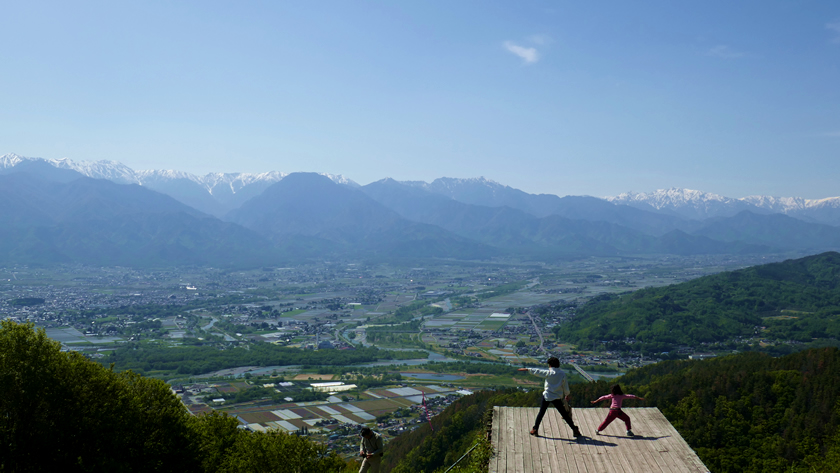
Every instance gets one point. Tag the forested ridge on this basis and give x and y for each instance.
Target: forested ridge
(748, 412)
(795, 300)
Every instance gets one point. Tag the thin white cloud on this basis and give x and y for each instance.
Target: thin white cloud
(529, 55)
(724, 51)
(835, 27)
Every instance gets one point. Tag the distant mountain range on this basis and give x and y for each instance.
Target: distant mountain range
(53, 208)
(694, 204)
(317, 217)
(214, 193)
(51, 215)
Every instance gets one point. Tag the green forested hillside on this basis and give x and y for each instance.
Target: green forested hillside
(793, 300)
(63, 412)
(745, 413)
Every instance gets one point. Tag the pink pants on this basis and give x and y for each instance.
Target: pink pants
(611, 417)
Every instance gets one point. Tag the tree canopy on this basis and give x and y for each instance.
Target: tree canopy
(744, 413)
(795, 300)
(60, 411)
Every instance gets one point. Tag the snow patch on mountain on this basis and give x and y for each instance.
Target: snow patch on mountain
(791, 204)
(418, 184)
(456, 183)
(340, 179)
(120, 173)
(110, 170)
(153, 175)
(676, 198)
(233, 182)
(672, 198)
(10, 160)
(696, 204)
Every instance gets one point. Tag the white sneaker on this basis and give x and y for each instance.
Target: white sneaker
(630, 433)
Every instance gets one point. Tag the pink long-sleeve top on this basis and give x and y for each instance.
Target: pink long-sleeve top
(616, 399)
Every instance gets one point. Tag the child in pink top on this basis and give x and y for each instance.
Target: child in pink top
(617, 397)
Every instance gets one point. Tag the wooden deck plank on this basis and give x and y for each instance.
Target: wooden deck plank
(553, 434)
(622, 453)
(584, 455)
(639, 453)
(584, 449)
(502, 452)
(510, 462)
(648, 451)
(519, 448)
(655, 428)
(493, 467)
(545, 460)
(616, 452)
(628, 455)
(531, 443)
(602, 451)
(663, 441)
(560, 440)
(659, 428)
(658, 447)
(547, 463)
(686, 458)
(552, 462)
(529, 447)
(636, 456)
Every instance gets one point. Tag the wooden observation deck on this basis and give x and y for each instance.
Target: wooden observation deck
(657, 446)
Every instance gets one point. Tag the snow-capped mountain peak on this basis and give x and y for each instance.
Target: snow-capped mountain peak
(149, 174)
(688, 203)
(452, 182)
(671, 198)
(232, 182)
(10, 160)
(791, 204)
(340, 179)
(224, 191)
(110, 170)
(118, 172)
(700, 205)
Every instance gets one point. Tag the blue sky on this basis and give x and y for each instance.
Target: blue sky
(581, 98)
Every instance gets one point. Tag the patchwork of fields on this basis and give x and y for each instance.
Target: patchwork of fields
(326, 415)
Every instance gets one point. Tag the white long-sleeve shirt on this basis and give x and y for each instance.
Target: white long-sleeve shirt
(556, 384)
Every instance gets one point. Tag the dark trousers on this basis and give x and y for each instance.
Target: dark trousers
(558, 404)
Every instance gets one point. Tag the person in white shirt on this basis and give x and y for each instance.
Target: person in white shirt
(556, 392)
